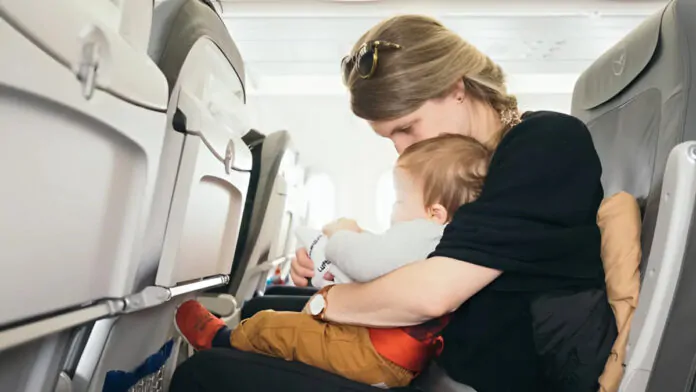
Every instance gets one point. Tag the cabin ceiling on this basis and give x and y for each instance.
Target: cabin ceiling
(295, 46)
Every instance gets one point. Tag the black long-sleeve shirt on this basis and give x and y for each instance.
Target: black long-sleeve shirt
(545, 323)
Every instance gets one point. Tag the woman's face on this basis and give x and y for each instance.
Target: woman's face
(435, 117)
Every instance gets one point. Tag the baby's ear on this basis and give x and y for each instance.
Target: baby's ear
(438, 213)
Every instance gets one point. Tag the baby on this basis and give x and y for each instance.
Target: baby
(433, 178)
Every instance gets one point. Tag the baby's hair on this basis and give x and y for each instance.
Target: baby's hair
(451, 169)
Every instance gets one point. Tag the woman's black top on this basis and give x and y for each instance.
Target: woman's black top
(545, 323)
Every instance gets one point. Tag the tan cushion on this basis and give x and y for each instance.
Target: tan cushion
(620, 223)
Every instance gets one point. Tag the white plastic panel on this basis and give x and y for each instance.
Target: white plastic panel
(136, 22)
(78, 178)
(209, 196)
(664, 266)
(112, 34)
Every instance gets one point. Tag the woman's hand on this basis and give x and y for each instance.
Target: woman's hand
(342, 224)
(301, 268)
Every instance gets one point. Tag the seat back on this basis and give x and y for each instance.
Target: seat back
(82, 112)
(192, 230)
(638, 100)
(267, 218)
(79, 197)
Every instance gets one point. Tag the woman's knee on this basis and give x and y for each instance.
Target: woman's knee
(213, 370)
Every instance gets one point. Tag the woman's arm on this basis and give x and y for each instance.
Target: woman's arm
(520, 224)
(411, 295)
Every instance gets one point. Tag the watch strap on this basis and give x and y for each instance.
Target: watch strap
(324, 292)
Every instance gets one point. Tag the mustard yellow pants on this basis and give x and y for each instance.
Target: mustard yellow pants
(341, 349)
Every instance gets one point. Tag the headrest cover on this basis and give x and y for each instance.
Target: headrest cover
(619, 66)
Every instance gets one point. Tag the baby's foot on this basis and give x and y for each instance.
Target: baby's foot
(197, 325)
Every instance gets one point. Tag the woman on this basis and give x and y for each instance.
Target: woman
(520, 268)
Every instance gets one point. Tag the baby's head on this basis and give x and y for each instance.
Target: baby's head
(434, 177)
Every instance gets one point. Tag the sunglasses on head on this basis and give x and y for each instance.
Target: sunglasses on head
(364, 61)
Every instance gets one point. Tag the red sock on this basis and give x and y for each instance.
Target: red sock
(197, 325)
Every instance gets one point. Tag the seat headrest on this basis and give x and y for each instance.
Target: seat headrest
(177, 25)
(617, 68)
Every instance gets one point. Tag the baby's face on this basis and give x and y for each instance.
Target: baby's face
(409, 204)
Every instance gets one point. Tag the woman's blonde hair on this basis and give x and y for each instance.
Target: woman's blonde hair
(432, 59)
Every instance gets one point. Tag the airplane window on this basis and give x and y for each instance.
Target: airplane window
(321, 200)
(385, 199)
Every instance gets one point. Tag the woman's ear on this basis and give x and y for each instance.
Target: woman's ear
(438, 213)
(459, 92)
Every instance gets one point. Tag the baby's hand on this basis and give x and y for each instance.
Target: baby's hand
(339, 225)
(329, 277)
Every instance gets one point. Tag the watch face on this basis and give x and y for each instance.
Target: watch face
(316, 305)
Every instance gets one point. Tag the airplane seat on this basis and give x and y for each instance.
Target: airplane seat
(82, 108)
(192, 229)
(262, 245)
(639, 102)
